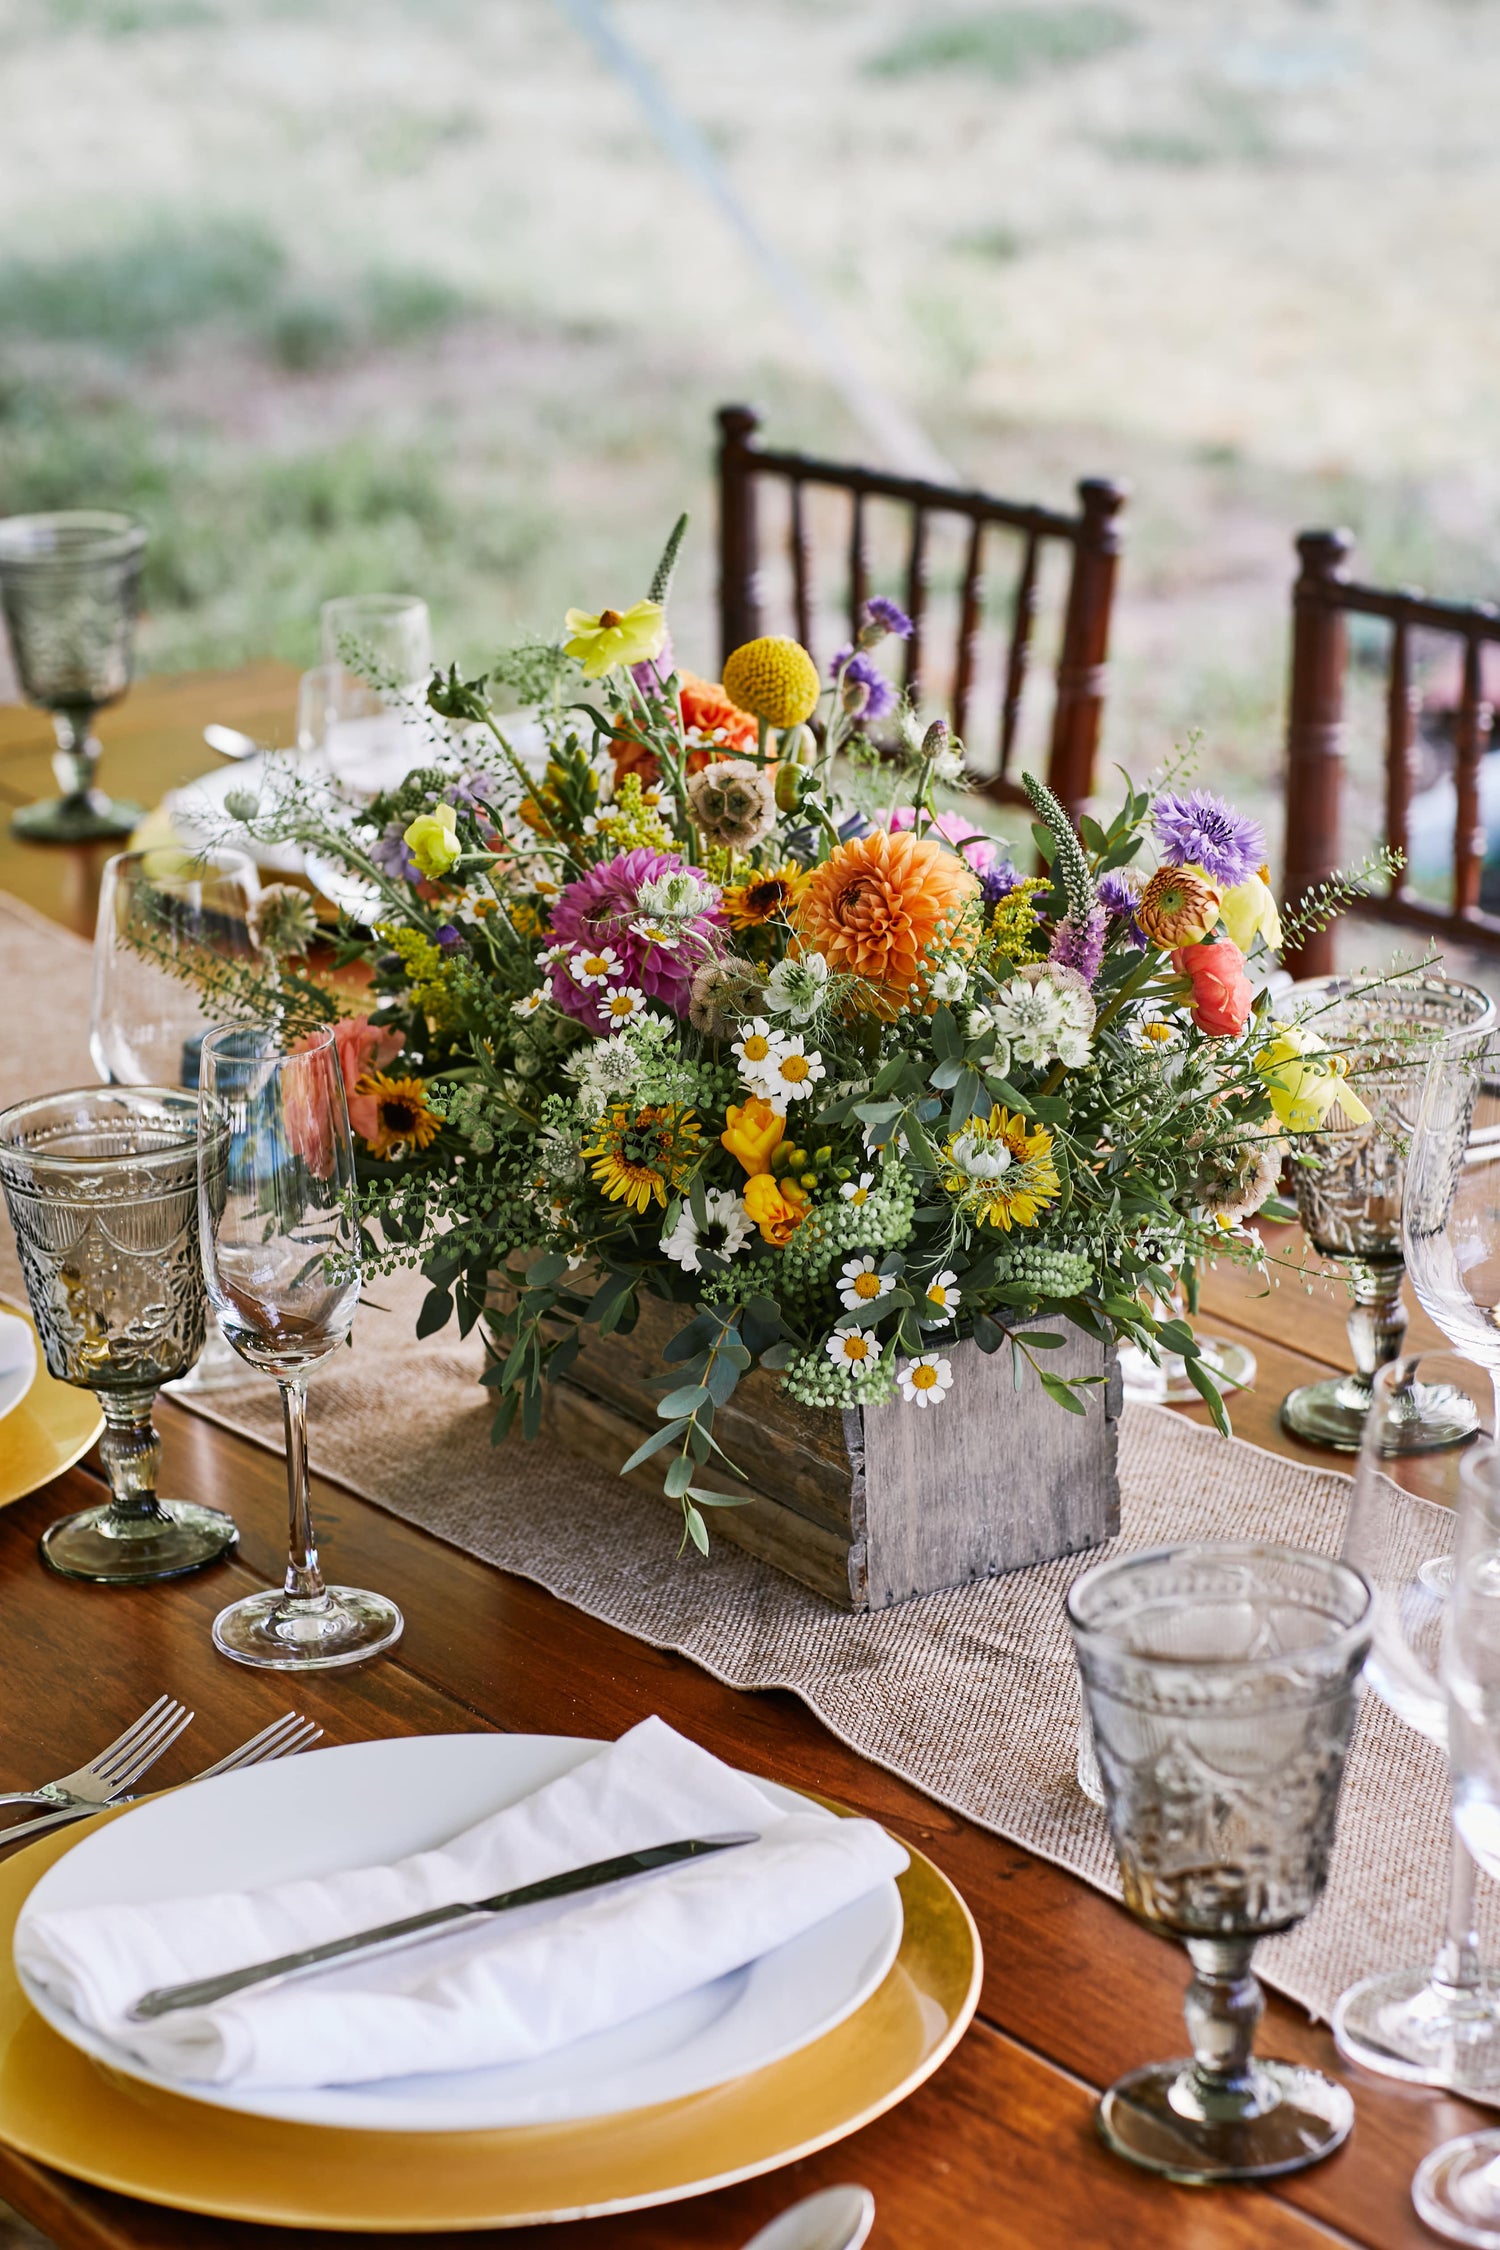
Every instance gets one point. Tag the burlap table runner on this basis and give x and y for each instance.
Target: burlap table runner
(971, 1695)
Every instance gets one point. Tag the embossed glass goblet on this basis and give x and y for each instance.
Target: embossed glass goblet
(1349, 1183)
(69, 584)
(102, 1191)
(1220, 1680)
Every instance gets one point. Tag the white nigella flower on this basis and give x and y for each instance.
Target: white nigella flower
(595, 968)
(853, 1349)
(980, 1158)
(857, 1191)
(860, 1284)
(729, 1228)
(925, 1380)
(941, 1299)
(622, 1004)
(950, 984)
(789, 1074)
(528, 1004)
(679, 896)
(948, 766)
(756, 1047)
(797, 987)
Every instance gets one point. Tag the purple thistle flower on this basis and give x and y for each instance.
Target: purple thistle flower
(859, 672)
(881, 616)
(997, 882)
(1117, 896)
(1202, 831)
(1083, 950)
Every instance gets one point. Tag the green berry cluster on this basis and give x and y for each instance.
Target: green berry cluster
(1049, 1270)
(833, 1232)
(812, 1379)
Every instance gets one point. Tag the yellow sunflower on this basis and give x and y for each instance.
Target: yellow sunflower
(1002, 1174)
(403, 1121)
(641, 1155)
(768, 895)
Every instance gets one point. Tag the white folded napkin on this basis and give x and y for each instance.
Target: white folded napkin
(496, 1991)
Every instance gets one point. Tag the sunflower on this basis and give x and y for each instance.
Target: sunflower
(639, 1155)
(1001, 1174)
(877, 906)
(403, 1121)
(766, 896)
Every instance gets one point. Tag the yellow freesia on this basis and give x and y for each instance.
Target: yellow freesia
(1248, 911)
(753, 1131)
(432, 840)
(778, 1207)
(615, 636)
(1304, 1081)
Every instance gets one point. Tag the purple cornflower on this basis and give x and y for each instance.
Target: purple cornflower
(860, 673)
(997, 882)
(391, 856)
(1202, 831)
(881, 616)
(1083, 950)
(1117, 896)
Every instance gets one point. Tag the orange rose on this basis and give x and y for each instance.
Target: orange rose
(1222, 993)
(778, 1207)
(879, 903)
(752, 1134)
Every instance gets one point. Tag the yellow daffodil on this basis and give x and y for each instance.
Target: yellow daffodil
(615, 636)
(1305, 1082)
(752, 1134)
(1248, 911)
(432, 840)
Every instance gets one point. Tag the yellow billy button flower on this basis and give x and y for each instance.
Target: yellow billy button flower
(1308, 1087)
(615, 636)
(432, 840)
(775, 679)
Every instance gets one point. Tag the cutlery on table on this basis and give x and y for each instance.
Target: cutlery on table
(230, 743)
(204, 1991)
(838, 2219)
(283, 1738)
(116, 1767)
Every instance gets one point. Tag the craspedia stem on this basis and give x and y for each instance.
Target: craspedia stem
(1071, 867)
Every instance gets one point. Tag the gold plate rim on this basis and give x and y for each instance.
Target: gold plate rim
(57, 1421)
(60, 2108)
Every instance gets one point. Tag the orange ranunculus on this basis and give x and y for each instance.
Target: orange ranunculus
(778, 1207)
(752, 1134)
(1222, 993)
(1178, 907)
(878, 903)
(363, 1047)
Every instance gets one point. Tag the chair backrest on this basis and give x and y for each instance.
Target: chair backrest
(1323, 599)
(1092, 540)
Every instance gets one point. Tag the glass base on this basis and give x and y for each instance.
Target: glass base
(1332, 1414)
(90, 819)
(1232, 1365)
(1402, 2025)
(137, 1550)
(218, 1367)
(280, 1634)
(1457, 2190)
(1150, 2116)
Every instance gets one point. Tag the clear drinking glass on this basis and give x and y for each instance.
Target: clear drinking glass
(1220, 1680)
(1457, 2187)
(69, 584)
(1435, 2023)
(1349, 1188)
(1451, 1215)
(281, 1253)
(102, 1187)
(387, 638)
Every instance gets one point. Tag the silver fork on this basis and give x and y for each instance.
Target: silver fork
(283, 1738)
(115, 1768)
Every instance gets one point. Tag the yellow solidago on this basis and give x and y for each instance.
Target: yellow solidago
(631, 821)
(1014, 920)
(427, 973)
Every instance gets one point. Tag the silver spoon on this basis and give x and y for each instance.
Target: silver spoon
(840, 2218)
(230, 743)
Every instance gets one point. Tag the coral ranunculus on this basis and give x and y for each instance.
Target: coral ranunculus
(364, 1047)
(876, 906)
(1222, 993)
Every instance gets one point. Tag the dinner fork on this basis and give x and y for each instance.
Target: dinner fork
(116, 1767)
(283, 1738)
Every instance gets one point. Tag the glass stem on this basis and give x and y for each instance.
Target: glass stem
(1223, 2007)
(131, 1453)
(1377, 1323)
(304, 1580)
(1456, 1972)
(77, 753)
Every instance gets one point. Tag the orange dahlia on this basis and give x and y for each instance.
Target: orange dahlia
(878, 903)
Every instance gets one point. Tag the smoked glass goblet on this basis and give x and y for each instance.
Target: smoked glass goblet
(1220, 1680)
(68, 585)
(102, 1191)
(281, 1254)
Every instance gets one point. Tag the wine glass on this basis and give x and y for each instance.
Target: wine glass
(1457, 2187)
(68, 585)
(102, 1190)
(1220, 1680)
(1349, 1188)
(1435, 2024)
(387, 638)
(1451, 1214)
(281, 1255)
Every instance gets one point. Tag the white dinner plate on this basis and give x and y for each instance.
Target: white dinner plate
(17, 1361)
(373, 1801)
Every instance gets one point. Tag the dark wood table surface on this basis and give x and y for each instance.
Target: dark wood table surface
(999, 2148)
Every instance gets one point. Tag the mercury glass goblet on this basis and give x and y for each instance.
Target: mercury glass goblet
(281, 1254)
(102, 1191)
(68, 586)
(1220, 1680)
(1349, 1182)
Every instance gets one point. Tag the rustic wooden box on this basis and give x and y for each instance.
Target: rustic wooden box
(877, 1504)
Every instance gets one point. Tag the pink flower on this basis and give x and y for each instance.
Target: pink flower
(363, 1047)
(601, 909)
(981, 851)
(1222, 993)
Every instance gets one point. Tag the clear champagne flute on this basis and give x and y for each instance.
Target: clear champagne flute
(1434, 2023)
(281, 1256)
(1451, 1210)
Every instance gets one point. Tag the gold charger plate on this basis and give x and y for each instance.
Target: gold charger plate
(58, 2106)
(53, 1427)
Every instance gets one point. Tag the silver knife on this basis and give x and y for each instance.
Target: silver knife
(203, 1993)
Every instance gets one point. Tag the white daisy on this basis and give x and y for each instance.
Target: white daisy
(853, 1349)
(860, 1284)
(667, 934)
(595, 968)
(790, 1074)
(857, 1191)
(729, 1228)
(924, 1380)
(756, 1048)
(941, 1300)
(621, 1005)
(550, 955)
(528, 1005)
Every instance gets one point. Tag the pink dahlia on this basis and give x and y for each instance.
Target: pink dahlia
(980, 850)
(600, 909)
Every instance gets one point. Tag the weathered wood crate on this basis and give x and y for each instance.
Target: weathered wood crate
(877, 1504)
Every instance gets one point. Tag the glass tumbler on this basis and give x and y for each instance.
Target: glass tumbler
(101, 1186)
(1220, 1680)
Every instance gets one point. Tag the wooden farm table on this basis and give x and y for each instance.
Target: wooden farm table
(999, 2148)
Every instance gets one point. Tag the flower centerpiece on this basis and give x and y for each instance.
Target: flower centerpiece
(709, 1003)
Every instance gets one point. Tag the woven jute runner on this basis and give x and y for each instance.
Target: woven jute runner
(971, 1695)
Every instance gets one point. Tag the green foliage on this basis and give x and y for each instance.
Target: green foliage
(1009, 44)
